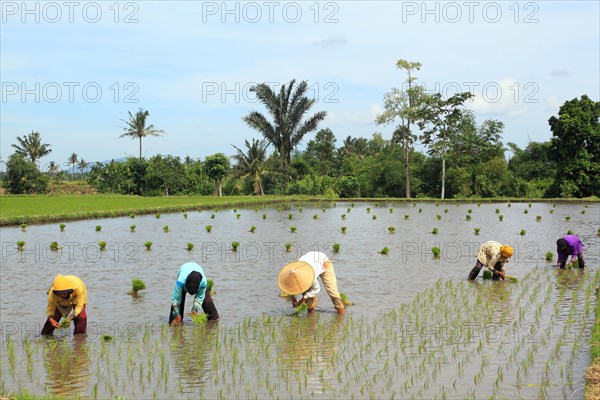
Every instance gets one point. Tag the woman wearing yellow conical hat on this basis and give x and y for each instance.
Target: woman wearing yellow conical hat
(67, 297)
(299, 280)
(493, 256)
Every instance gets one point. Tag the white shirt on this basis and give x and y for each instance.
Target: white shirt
(316, 260)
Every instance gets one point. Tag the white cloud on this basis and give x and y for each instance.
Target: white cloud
(560, 72)
(331, 42)
(552, 104)
(505, 97)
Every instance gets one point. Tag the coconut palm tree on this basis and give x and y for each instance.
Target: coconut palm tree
(251, 164)
(82, 165)
(72, 161)
(53, 168)
(136, 127)
(31, 146)
(287, 108)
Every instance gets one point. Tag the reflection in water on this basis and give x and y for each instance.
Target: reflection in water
(67, 366)
(190, 348)
(307, 351)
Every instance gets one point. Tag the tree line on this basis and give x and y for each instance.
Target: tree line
(463, 158)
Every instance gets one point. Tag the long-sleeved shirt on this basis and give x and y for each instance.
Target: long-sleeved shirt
(76, 300)
(574, 249)
(179, 289)
(317, 261)
(489, 254)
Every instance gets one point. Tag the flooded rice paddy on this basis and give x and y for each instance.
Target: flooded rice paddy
(417, 328)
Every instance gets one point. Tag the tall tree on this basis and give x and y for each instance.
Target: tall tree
(72, 161)
(321, 152)
(576, 144)
(439, 119)
(136, 127)
(82, 164)
(23, 176)
(217, 168)
(287, 108)
(251, 164)
(31, 146)
(402, 106)
(53, 168)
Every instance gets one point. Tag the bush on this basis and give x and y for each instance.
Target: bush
(23, 177)
(347, 186)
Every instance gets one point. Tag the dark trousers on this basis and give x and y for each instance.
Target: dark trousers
(563, 264)
(475, 271)
(80, 322)
(208, 306)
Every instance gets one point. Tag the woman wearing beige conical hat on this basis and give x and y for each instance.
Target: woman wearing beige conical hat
(299, 280)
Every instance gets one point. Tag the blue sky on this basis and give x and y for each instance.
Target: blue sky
(72, 70)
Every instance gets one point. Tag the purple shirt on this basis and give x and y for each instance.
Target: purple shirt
(574, 248)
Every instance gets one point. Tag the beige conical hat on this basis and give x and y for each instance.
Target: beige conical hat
(296, 277)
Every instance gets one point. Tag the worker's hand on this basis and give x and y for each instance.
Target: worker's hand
(296, 303)
(53, 322)
(502, 274)
(570, 264)
(176, 321)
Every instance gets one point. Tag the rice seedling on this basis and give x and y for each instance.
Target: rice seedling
(302, 308)
(509, 205)
(23, 227)
(148, 245)
(569, 232)
(525, 211)
(345, 300)
(199, 319)
(343, 229)
(468, 217)
(252, 229)
(98, 228)
(487, 274)
(551, 211)
(476, 231)
(157, 216)
(384, 251)
(436, 251)
(209, 286)
(368, 210)
(567, 218)
(500, 217)
(300, 209)
(374, 216)
(598, 232)
(391, 210)
(62, 227)
(406, 217)
(234, 210)
(264, 216)
(54, 246)
(208, 228)
(185, 215)
(136, 285)
(523, 232)
(212, 216)
(391, 229)
(288, 247)
(102, 245)
(438, 217)
(336, 247)
(107, 338)
(237, 216)
(166, 228)
(420, 210)
(582, 211)
(445, 211)
(435, 231)
(132, 228)
(348, 210)
(343, 216)
(190, 246)
(293, 229)
(235, 245)
(549, 256)
(131, 215)
(316, 216)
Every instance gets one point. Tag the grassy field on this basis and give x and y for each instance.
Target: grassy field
(16, 210)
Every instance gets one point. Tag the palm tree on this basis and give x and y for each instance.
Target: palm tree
(287, 108)
(82, 165)
(53, 168)
(72, 160)
(251, 164)
(31, 146)
(136, 127)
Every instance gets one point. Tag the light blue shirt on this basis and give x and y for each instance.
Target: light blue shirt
(179, 289)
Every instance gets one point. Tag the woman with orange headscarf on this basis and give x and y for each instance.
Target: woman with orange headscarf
(493, 256)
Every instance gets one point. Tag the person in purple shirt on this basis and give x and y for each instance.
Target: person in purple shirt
(569, 245)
